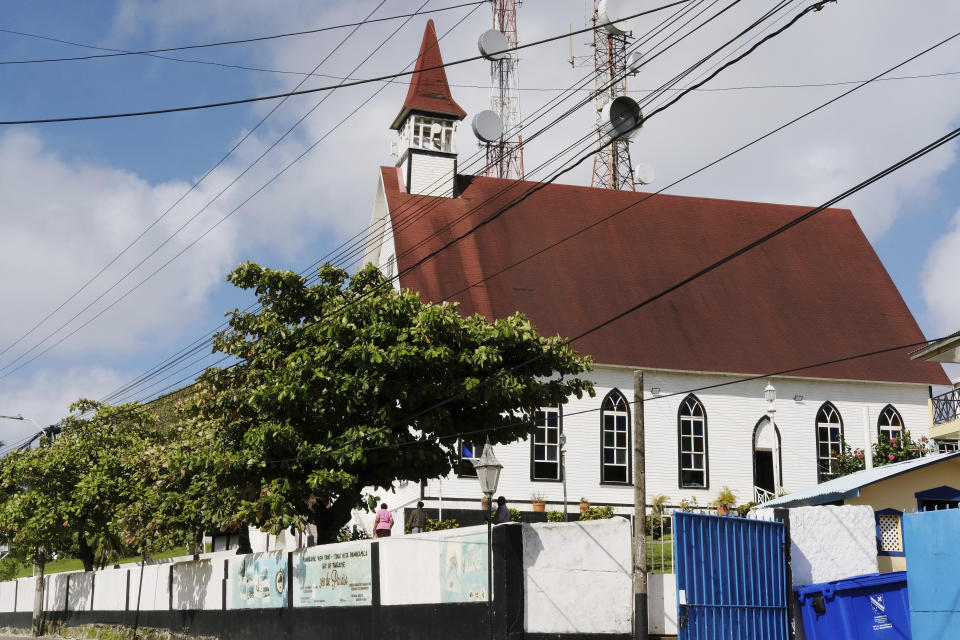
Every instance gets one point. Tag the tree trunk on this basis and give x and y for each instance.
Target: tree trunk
(243, 540)
(330, 519)
(38, 596)
(86, 554)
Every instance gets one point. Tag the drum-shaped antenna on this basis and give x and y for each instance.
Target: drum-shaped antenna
(643, 173)
(611, 14)
(493, 45)
(621, 117)
(487, 126)
(634, 61)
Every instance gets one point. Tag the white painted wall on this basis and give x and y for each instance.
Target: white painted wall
(198, 585)
(110, 590)
(577, 577)
(25, 594)
(431, 175)
(80, 597)
(662, 604)
(55, 592)
(732, 413)
(155, 592)
(8, 596)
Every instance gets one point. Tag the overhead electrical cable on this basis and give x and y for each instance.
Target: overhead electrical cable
(114, 53)
(277, 96)
(192, 187)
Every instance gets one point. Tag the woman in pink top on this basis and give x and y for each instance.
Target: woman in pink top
(383, 523)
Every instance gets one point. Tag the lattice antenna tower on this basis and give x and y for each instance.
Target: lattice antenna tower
(505, 156)
(612, 168)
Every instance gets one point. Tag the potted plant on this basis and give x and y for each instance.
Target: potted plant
(725, 501)
(584, 505)
(539, 502)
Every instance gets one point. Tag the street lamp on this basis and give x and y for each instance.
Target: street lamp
(563, 472)
(488, 473)
(770, 395)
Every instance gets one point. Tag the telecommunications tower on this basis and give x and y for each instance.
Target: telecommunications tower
(505, 155)
(612, 168)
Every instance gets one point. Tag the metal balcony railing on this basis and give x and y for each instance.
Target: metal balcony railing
(946, 407)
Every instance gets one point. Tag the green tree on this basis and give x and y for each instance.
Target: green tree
(338, 386)
(65, 496)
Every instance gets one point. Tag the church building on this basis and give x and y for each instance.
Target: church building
(571, 257)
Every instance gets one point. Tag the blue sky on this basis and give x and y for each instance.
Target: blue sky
(73, 195)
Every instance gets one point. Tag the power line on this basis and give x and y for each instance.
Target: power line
(114, 53)
(392, 76)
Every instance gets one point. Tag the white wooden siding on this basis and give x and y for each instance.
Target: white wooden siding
(431, 175)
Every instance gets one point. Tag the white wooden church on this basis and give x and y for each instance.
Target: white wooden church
(814, 294)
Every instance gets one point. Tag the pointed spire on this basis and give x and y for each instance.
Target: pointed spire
(429, 90)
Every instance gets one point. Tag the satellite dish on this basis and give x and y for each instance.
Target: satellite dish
(611, 14)
(493, 45)
(621, 117)
(635, 61)
(435, 129)
(487, 126)
(643, 173)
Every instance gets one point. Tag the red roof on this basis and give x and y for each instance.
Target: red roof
(429, 90)
(815, 293)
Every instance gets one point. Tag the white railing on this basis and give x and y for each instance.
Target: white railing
(761, 495)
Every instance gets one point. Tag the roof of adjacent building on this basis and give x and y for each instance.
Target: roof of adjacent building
(813, 294)
(849, 486)
(429, 90)
(943, 350)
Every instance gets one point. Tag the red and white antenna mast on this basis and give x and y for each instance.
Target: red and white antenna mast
(505, 156)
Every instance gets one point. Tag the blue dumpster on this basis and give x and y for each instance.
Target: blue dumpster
(870, 607)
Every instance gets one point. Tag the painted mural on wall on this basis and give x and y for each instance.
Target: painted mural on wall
(463, 568)
(337, 576)
(258, 581)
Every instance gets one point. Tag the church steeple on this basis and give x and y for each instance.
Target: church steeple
(426, 145)
(429, 91)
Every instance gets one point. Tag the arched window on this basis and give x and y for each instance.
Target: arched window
(829, 437)
(692, 434)
(890, 424)
(615, 439)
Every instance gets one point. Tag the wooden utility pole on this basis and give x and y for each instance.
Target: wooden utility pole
(640, 615)
(38, 595)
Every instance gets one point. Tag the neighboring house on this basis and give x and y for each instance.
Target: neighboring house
(572, 257)
(931, 482)
(945, 406)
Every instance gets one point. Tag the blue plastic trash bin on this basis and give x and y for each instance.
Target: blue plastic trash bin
(870, 607)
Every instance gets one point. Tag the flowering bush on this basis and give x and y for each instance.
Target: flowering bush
(885, 451)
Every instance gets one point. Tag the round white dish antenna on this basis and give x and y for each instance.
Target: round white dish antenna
(621, 117)
(493, 45)
(487, 125)
(643, 173)
(435, 129)
(634, 61)
(612, 13)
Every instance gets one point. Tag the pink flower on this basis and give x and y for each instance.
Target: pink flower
(859, 454)
(890, 456)
(893, 441)
(923, 438)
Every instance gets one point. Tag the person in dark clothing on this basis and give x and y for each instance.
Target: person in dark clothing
(503, 513)
(417, 522)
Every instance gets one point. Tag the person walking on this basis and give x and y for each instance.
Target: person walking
(503, 513)
(383, 523)
(418, 519)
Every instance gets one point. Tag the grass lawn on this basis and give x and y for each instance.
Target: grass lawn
(73, 564)
(660, 554)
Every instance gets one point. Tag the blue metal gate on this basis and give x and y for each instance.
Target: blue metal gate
(731, 578)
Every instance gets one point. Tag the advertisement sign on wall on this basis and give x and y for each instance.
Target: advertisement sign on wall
(258, 581)
(463, 568)
(338, 576)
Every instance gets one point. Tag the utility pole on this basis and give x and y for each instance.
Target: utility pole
(640, 614)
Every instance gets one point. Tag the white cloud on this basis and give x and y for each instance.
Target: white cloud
(939, 280)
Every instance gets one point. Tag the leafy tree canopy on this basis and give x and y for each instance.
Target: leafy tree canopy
(65, 496)
(336, 388)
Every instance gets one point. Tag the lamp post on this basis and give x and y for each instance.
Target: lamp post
(563, 472)
(770, 395)
(488, 473)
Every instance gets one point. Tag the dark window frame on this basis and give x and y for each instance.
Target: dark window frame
(821, 475)
(533, 443)
(603, 412)
(706, 445)
(460, 467)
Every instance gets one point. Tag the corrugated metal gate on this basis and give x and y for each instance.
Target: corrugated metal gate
(731, 578)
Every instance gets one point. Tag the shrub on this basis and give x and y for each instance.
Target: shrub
(555, 516)
(657, 526)
(441, 525)
(744, 509)
(597, 513)
(354, 532)
(726, 498)
(515, 515)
